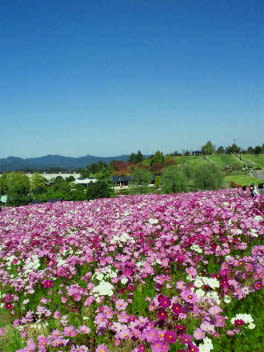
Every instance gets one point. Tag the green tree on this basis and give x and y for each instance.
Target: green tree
(136, 158)
(157, 158)
(233, 149)
(257, 149)
(207, 177)
(174, 180)
(220, 150)
(140, 179)
(208, 148)
(3, 183)
(38, 183)
(18, 189)
(99, 189)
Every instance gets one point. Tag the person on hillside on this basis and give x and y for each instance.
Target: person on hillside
(244, 189)
(261, 189)
(253, 190)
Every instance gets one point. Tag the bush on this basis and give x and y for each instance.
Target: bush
(99, 189)
(174, 180)
(208, 177)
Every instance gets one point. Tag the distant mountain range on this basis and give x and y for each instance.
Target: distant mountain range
(53, 162)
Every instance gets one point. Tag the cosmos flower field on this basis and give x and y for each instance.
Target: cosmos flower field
(156, 273)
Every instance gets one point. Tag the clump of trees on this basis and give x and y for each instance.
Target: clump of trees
(140, 179)
(208, 149)
(176, 179)
(99, 189)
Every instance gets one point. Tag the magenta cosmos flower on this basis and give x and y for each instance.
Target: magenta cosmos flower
(258, 285)
(47, 283)
(162, 314)
(170, 336)
(164, 301)
(177, 308)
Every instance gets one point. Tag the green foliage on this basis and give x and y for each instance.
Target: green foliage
(220, 150)
(256, 159)
(251, 340)
(208, 148)
(174, 180)
(233, 149)
(18, 189)
(96, 168)
(99, 189)
(38, 184)
(3, 183)
(243, 180)
(136, 158)
(157, 158)
(141, 177)
(207, 177)
(157, 181)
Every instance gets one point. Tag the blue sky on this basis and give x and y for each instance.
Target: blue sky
(111, 77)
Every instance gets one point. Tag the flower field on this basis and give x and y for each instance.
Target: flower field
(156, 273)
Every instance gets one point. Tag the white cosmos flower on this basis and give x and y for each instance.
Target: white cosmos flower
(227, 299)
(124, 280)
(103, 289)
(196, 248)
(153, 221)
(247, 318)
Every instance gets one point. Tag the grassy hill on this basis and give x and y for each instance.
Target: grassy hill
(256, 159)
(225, 160)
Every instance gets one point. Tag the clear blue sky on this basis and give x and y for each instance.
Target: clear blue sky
(111, 77)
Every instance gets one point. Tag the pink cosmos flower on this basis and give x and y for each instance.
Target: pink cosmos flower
(219, 321)
(189, 296)
(44, 300)
(59, 341)
(83, 329)
(191, 271)
(64, 299)
(185, 339)
(215, 310)
(56, 314)
(70, 331)
(151, 335)
(121, 304)
(122, 317)
(207, 327)
(102, 348)
(2, 331)
(89, 301)
(42, 341)
(199, 334)
(160, 347)
(124, 334)
(79, 348)
(101, 320)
